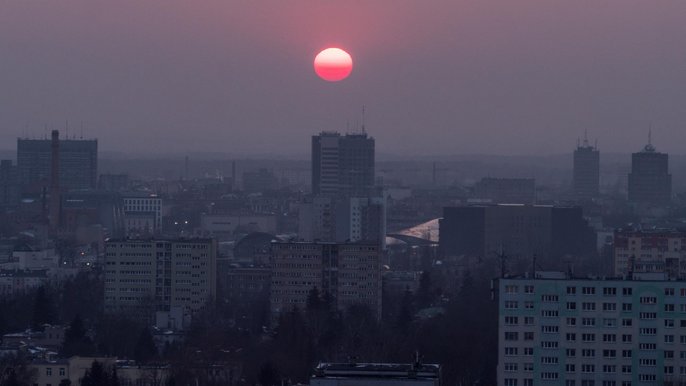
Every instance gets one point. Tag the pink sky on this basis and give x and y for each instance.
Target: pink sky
(444, 77)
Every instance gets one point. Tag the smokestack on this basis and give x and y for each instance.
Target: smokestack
(55, 201)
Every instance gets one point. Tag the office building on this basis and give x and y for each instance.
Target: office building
(558, 331)
(376, 374)
(142, 213)
(342, 164)
(9, 184)
(78, 164)
(649, 181)
(506, 190)
(259, 181)
(144, 276)
(343, 219)
(349, 273)
(586, 174)
(521, 232)
(650, 251)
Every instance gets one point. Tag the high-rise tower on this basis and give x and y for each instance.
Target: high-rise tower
(342, 164)
(586, 179)
(649, 180)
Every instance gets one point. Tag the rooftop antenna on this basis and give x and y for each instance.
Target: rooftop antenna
(67, 127)
(81, 129)
(363, 129)
(585, 137)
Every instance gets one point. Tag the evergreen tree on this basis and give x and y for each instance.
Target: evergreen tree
(42, 310)
(145, 349)
(75, 340)
(314, 301)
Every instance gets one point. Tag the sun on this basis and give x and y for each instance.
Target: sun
(333, 64)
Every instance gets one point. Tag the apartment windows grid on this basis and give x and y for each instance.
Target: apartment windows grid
(599, 323)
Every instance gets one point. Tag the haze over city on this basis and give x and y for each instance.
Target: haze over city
(448, 77)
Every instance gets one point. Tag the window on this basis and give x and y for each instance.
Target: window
(510, 382)
(588, 353)
(627, 322)
(528, 289)
(549, 298)
(511, 289)
(647, 331)
(669, 323)
(669, 354)
(571, 352)
(669, 307)
(669, 291)
(669, 338)
(626, 338)
(609, 291)
(549, 344)
(647, 362)
(529, 335)
(62, 372)
(510, 335)
(528, 320)
(626, 307)
(549, 375)
(587, 368)
(609, 353)
(647, 315)
(588, 337)
(588, 322)
(626, 354)
(571, 337)
(48, 371)
(626, 369)
(528, 351)
(571, 305)
(648, 300)
(570, 368)
(571, 322)
(609, 322)
(529, 305)
(549, 360)
(588, 290)
(549, 313)
(571, 290)
(609, 307)
(510, 367)
(511, 320)
(588, 306)
(510, 351)
(609, 369)
(528, 367)
(510, 304)
(549, 329)
(609, 338)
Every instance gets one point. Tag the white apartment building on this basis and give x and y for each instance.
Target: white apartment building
(558, 331)
(142, 213)
(155, 275)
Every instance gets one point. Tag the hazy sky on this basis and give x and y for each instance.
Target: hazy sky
(443, 77)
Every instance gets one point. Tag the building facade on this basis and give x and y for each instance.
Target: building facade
(350, 274)
(78, 164)
(144, 276)
(9, 184)
(342, 164)
(649, 181)
(376, 374)
(557, 331)
(519, 231)
(586, 174)
(142, 213)
(650, 251)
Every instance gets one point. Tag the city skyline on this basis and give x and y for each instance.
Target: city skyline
(453, 78)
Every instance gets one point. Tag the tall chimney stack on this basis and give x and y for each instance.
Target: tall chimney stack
(55, 201)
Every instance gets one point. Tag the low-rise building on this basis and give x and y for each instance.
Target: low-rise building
(376, 374)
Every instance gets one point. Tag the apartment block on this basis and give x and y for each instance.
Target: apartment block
(349, 273)
(155, 275)
(650, 251)
(554, 330)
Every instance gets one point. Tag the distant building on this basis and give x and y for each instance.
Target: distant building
(343, 219)
(349, 274)
(342, 164)
(144, 276)
(259, 181)
(586, 175)
(649, 180)
(376, 374)
(226, 226)
(9, 184)
(558, 331)
(78, 164)
(16, 281)
(113, 182)
(142, 213)
(650, 251)
(506, 190)
(521, 232)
